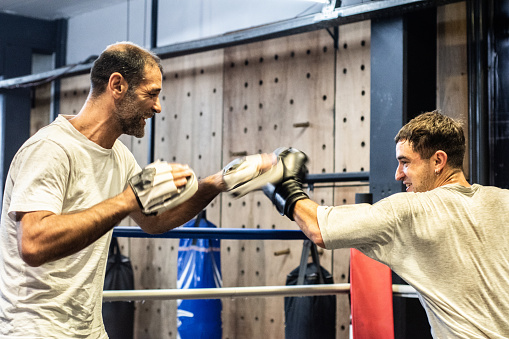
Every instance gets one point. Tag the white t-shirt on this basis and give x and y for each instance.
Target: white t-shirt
(58, 170)
(451, 244)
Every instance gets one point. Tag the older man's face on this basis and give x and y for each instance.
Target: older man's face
(140, 104)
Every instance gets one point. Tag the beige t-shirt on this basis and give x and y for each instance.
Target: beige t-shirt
(451, 244)
(61, 171)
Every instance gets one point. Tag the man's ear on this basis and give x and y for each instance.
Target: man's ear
(440, 158)
(117, 85)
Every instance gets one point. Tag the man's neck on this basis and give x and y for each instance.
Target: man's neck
(452, 176)
(96, 124)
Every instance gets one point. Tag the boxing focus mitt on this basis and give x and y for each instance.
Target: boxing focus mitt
(155, 190)
(245, 174)
(285, 194)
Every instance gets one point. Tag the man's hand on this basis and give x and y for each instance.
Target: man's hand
(161, 186)
(289, 190)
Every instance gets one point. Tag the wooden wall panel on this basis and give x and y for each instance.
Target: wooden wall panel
(276, 93)
(352, 136)
(353, 98)
(188, 131)
(73, 93)
(191, 102)
(452, 68)
(41, 108)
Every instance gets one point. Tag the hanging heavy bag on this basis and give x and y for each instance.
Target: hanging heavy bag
(199, 266)
(118, 316)
(313, 316)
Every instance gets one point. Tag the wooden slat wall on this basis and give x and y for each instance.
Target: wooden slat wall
(189, 131)
(73, 93)
(352, 135)
(270, 88)
(353, 98)
(452, 72)
(294, 91)
(41, 108)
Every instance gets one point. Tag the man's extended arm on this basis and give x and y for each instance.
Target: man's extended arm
(45, 236)
(233, 177)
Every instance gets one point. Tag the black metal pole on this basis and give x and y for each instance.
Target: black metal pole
(153, 45)
(60, 61)
(499, 77)
(478, 45)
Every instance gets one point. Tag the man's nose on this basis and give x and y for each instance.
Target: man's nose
(157, 106)
(399, 173)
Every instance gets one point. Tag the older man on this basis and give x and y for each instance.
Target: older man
(67, 188)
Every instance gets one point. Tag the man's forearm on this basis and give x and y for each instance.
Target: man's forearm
(46, 236)
(305, 215)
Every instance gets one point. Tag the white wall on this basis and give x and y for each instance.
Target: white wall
(91, 32)
(181, 21)
(178, 21)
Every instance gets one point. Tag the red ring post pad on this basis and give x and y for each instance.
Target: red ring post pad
(371, 298)
(212, 233)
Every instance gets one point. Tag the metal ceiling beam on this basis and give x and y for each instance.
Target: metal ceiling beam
(45, 76)
(336, 17)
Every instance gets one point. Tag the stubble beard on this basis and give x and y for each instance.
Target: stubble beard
(427, 183)
(129, 118)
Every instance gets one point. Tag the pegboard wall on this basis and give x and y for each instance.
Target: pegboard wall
(352, 135)
(188, 131)
(73, 93)
(41, 108)
(276, 93)
(452, 69)
(296, 91)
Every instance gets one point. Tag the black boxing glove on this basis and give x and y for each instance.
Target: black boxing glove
(285, 194)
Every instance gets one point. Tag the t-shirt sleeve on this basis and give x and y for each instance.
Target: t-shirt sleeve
(40, 173)
(369, 228)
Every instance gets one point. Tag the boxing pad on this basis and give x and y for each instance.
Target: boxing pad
(245, 174)
(155, 189)
(285, 194)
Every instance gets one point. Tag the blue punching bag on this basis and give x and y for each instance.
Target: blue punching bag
(199, 266)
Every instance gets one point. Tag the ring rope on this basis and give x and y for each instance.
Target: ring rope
(242, 292)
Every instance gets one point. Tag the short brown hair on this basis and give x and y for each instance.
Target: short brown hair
(125, 58)
(433, 131)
